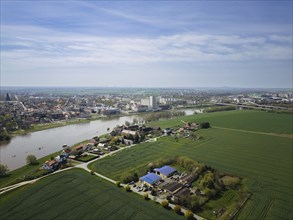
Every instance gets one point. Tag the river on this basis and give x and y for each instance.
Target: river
(42, 143)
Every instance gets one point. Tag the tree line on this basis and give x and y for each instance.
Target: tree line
(162, 115)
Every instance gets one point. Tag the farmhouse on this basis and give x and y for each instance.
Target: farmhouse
(127, 141)
(81, 148)
(150, 179)
(66, 152)
(60, 159)
(132, 128)
(165, 171)
(129, 132)
(50, 165)
(190, 126)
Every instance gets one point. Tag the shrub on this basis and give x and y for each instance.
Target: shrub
(153, 192)
(3, 170)
(92, 172)
(35, 174)
(128, 177)
(127, 188)
(177, 209)
(165, 204)
(118, 184)
(146, 196)
(205, 125)
(188, 214)
(31, 159)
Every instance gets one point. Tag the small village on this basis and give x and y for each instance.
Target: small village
(119, 137)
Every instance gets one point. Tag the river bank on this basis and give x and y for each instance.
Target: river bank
(41, 127)
(40, 143)
(14, 175)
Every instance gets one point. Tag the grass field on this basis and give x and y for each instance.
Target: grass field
(264, 161)
(249, 120)
(76, 194)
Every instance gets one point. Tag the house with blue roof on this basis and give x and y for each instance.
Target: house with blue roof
(150, 179)
(165, 171)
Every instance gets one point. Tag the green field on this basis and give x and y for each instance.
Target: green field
(244, 120)
(76, 194)
(265, 161)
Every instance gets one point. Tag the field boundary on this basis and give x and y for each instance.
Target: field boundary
(256, 132)
(232, 215)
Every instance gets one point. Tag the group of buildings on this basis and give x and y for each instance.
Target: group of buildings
(166, 179)
(57, 161)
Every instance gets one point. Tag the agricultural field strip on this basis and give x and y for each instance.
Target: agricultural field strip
(256, 132)
(274, 183)
(244, 120)
(100, 200)
(120, 164)
(17, 185)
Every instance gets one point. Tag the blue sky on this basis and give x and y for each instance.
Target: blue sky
(146, 43)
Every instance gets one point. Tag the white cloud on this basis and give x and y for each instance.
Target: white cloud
(40, 47)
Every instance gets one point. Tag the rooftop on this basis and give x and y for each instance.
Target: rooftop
(150, 178)
(173, 187)
(165, 170)
(182, 192)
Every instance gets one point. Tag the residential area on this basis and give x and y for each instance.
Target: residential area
(28, 110)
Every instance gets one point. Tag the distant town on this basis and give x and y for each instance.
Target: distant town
(23, 109)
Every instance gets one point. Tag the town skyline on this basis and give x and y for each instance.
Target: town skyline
(137, 44)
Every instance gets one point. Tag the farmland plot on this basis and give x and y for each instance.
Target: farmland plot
(76, 194)
(264, 161)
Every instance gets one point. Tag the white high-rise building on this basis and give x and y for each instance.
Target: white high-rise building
(150, 102)
(153, 102)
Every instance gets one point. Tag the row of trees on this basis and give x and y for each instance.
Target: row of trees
(128, 177)
(210, 184)
(162, 115)
(191, 165)
(220, 108)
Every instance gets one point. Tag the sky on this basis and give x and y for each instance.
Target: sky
(147, 43)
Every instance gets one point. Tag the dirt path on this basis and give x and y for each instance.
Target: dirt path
(256, 132)
(15, 186)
